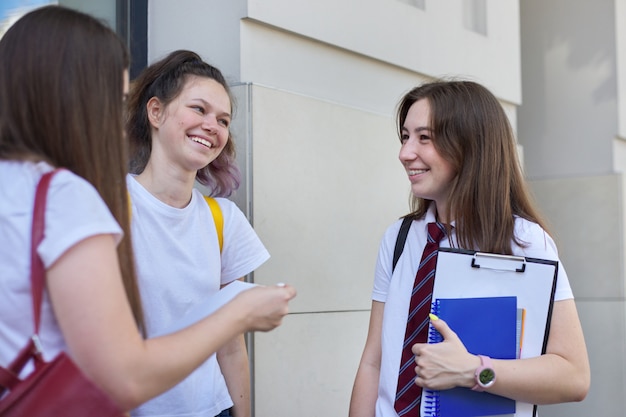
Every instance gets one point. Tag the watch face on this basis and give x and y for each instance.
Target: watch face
(486, 376)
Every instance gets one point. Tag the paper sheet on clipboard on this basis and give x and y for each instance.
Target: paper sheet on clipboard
(466, 274)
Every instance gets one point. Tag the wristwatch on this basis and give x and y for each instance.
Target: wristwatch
(485, 375)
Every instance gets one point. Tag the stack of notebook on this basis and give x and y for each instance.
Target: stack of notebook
(489, 326)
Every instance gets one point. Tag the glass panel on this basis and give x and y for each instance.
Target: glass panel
(12, 10)
(128, 19)
(102, 9)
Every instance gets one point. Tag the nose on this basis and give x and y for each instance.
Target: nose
(209, 123)
(408, 151)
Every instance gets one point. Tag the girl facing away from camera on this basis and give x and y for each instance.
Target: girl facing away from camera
(63, 79)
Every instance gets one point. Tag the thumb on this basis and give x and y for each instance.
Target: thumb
(442, 327)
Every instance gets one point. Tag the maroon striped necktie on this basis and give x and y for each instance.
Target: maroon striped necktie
(408, 395)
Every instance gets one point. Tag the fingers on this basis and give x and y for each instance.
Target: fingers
(443, 328)
(268, 306)
(437, 364)
(288, 289)
(419, 379)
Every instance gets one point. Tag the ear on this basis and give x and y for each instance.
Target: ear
(155, 108)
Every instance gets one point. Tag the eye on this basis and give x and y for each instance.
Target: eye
(224, 122)
(403, 138)
(199, 109)
(424, 138)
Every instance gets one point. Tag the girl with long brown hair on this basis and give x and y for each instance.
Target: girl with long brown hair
(63, 78)
(459, 153)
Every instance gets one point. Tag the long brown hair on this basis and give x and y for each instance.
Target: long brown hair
(61, 101)
(472, 132)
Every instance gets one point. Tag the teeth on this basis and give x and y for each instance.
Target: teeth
(417, 171)
(202, 141)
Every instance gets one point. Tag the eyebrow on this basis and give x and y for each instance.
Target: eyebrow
(419, 129)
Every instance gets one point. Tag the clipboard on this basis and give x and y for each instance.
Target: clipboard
(463, 273)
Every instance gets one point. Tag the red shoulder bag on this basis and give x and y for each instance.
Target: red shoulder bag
(56, 388)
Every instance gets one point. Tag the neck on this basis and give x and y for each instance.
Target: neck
(440, 215)
(171, 187)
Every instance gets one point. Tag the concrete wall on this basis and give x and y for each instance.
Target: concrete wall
(326, 184)
(620, 12)
(317, 85)
(306, 38)
(592, 248)
(569, 124)
(570, 87)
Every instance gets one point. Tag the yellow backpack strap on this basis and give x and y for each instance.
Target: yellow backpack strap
(216, 211)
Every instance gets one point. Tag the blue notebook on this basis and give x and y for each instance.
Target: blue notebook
(486, 326)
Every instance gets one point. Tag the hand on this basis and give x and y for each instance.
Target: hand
(265, 306)
(444, 365)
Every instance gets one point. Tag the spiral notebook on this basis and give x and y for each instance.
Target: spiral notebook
(462, 274)
(487, 326)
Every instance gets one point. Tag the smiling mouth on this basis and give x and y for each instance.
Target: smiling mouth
(416, 171)
(201, 141)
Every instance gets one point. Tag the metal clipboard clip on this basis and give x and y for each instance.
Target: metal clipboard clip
(499, 262)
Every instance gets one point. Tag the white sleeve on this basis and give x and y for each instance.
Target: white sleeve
(540, 245)
(74, 212)
(243, 251)
(384, 263)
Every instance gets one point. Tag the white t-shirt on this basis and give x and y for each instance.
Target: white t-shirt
(74, 212)
(395, 290)
(179, 266)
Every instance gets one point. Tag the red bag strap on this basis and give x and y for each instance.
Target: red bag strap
(37, 273)
(9, 376)
(7, 379)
